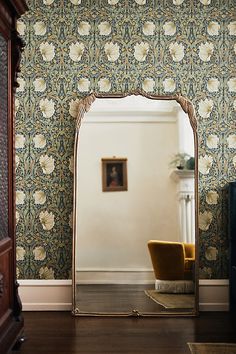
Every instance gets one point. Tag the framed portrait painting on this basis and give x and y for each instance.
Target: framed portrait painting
(114, 174)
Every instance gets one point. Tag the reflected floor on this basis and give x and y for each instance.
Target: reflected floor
(116, 298)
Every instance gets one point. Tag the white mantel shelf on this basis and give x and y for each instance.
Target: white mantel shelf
(185, 180)
(181, 174)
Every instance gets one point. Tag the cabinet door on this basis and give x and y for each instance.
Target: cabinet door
(232, 246)
(6, 228)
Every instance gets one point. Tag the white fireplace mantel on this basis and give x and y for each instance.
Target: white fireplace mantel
(185, 193)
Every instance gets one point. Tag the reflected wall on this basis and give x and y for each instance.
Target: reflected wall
(113, 228)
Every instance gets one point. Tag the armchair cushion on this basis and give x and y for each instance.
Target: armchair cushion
(173, 264)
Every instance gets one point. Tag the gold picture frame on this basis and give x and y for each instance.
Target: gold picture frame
(114, 174)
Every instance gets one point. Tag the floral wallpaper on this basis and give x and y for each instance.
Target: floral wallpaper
(74, 47)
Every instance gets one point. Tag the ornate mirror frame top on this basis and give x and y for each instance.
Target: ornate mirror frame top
(83, 107)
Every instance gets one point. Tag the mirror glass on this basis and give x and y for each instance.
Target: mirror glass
(134, 247)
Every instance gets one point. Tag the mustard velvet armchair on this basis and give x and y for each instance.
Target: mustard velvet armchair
(172, 260)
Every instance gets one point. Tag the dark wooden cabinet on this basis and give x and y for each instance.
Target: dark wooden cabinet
(232, 246)
(11, 322)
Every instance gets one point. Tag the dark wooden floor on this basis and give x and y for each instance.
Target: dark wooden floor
(60, 333)
(119, 298)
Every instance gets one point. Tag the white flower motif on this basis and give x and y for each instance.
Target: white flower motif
(205, 2)
(84, 28)
(148, 84)
(232, 28)
(21, 28)
(74, 107)
(178, 2)
(47, 51)
(76, 51)
(83, 85)
(104, 28)
(45, 272)
(47, 164)
(39, 197)
(213, 85)
(205, 163)
(212, 141)
(39, 141)
(205, 220)
(20, 253)
(212, 197)
(21, 83)
(169, 28)
(141, 51)
(47, 220)
(20, 197)
(112, 51)
(75, 2)
(169, 85)
(211, 253)
(104, 85)
(39, 253)
(113, 2)
(213, 28)
(48, 2)
(148, 28)
(206, 51)
(40, 28)
(71, 220)
(234, 105)
(17, 161)
(17, 105)
(205, 108)
(47, 107)
(17, 217)
(39, 85)
(176, 51)
(19, 141)
(140, 2)
(232, 84)
(235, 48)
(234, 161)
(71, 164)
(231, 140)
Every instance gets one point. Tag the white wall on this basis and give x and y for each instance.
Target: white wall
(114, 227)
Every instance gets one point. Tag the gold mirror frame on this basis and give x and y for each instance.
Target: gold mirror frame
(83, 107)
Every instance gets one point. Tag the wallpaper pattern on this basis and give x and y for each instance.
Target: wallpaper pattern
(77, 46)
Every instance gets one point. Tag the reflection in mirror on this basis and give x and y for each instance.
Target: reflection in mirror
(134, 244)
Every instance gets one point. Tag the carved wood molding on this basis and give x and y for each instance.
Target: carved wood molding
(187, 106)
(83, 107)
(1, 285)
(17, 301)
(20, 7)
(17, 48)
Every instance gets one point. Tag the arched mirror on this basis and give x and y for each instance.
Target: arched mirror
(135, 206)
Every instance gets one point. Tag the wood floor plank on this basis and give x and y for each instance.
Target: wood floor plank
(60, 333)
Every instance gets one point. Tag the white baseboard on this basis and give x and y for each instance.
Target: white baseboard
(56, 295)
(46, 295)
(214, 295)
(115, 276)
